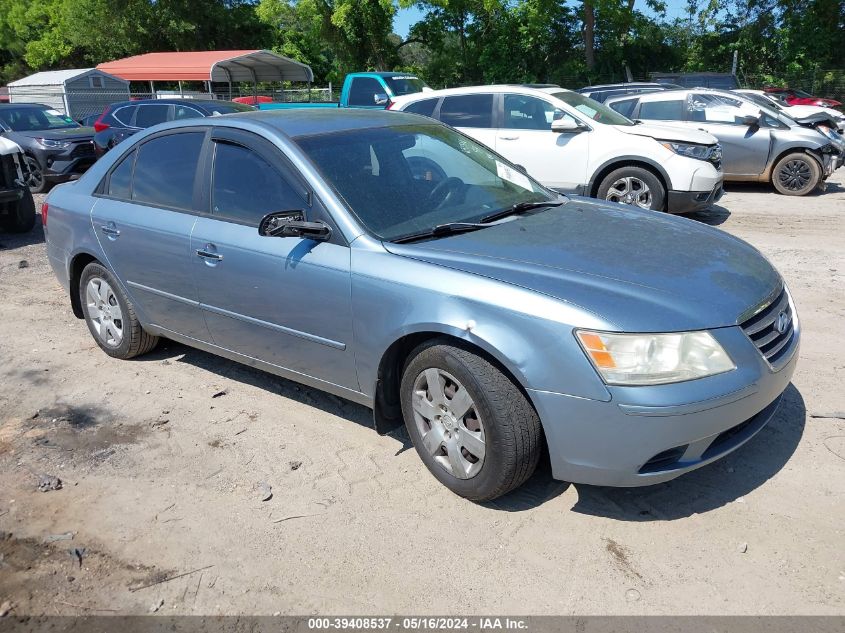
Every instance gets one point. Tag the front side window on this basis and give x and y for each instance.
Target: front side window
(467, 111)
(245, 187)
(149, 115)
(710, 108)
(166, 169)
(625, 107)
(363, 90)
(523, 112)
(403, 179)
(120, 181)
(185, 112)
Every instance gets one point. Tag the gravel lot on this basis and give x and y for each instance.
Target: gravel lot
(161, 460)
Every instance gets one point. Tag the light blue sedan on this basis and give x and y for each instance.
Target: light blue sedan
(391, 260)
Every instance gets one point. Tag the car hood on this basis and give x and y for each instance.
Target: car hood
(641, 271)
(668, 133)
(69, 134)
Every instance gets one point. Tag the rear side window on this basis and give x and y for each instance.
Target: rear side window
(165, 170)
(467, 111)
(246, 187)
(124, 115)
(363, 90)
(424, 107)
(120, 181)
(662, 110)
(149, 115)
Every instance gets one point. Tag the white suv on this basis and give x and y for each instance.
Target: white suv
(574, 144)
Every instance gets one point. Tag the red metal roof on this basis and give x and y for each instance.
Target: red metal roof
(223, 66)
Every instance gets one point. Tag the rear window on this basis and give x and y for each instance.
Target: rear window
(165, 170)
(424, 107)
(662, 110)
(404, 84)
(467, 111)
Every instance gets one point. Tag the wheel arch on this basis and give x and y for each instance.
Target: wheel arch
(627, 161)
(77, 265)
(796, 149)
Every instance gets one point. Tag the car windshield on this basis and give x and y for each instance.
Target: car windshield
(761, 101)
(592, 109)
(405, 84)
(404, 179)
(27, 119)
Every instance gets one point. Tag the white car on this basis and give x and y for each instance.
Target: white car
(573, 144)
(795, 111)
(17, 208)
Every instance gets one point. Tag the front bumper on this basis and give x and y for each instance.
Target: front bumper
(689, 201)
(64, 164)
(649, 435)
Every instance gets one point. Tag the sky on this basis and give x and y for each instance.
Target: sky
(405, 18)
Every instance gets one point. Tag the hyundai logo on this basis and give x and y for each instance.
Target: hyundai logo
(782, 322)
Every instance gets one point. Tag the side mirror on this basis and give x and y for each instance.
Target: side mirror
(751, 120)
(565, 125)
(381, 98)
(292, 224)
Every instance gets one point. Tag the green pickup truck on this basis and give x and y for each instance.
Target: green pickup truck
(363, 90)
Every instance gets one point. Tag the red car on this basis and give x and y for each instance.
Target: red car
(253, 101)
(799, 97)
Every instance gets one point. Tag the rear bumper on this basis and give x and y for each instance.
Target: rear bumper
(689, 201)
(649, 435)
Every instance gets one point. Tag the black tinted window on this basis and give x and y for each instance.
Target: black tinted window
(185, 112)
(624, 107)
(120, 181)
(246, 187)
(149, 115)
(424, 107)
(467, 111)
(662, 110)
(124, 115)
(363, 91)
(523, 112)
(165, 170)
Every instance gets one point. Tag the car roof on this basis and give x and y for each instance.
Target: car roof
(311, 121)
(471, 90)
(176, 101)
(621, 85)
(23, 105)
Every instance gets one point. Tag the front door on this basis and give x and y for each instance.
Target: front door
(143, 221)
(282, 300)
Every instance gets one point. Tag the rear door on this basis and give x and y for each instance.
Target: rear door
(472, 114)
(282, 300)
(143, 219)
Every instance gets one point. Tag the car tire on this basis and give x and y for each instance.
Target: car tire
(110, 315)
(20, 217)
(635, 186)
(796, 174)
(35, 179)
(486, 439)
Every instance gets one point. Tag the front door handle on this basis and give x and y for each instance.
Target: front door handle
(509, 138)
(201, 252)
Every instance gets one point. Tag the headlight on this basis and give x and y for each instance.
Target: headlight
(691, 150)
(51, 144)
(654, 359)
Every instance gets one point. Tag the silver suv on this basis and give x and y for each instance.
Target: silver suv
(758, 144)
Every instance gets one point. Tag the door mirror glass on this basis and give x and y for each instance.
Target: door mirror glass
(381, 98)
(565, 125)
(292, 224)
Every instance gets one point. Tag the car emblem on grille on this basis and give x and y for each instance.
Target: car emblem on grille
(782, 323)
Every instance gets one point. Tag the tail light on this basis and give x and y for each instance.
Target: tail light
(44, 209)
(99, 125)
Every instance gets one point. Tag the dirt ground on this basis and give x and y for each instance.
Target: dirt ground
(162, 461)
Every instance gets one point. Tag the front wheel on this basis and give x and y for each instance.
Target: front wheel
(110, 315)
(35, 178)
(796, 174)
(20, 217)
(470, 424)
(633, 185)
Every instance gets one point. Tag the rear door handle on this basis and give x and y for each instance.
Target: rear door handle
(208, 254)
(110, 229)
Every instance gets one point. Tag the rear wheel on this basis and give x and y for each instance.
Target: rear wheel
(472, 427)
(20, 216)
(796, 174)
(635, 186)
(110, 315)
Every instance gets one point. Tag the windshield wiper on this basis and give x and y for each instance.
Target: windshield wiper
(439, 231)
(519, 207)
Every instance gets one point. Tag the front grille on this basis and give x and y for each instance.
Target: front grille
(86, 148)
(716, 156)
(772, 329)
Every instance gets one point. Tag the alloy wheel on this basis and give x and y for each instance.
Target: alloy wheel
(104, 311)
(449, 423)
(630, 190)
(34, 175)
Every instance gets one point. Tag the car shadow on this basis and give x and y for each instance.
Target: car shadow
(9, 241)
(713, 216)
